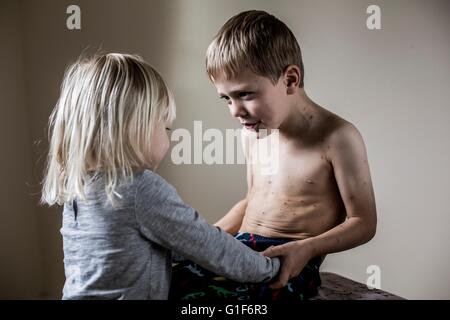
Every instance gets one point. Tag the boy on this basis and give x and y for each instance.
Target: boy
(321, 199)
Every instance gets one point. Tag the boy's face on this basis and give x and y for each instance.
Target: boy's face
(255, 100)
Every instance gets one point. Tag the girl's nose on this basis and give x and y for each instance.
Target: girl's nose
(237, 110)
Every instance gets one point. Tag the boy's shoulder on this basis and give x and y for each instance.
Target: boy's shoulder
(341, 136)
(331, 127)
(337, 128)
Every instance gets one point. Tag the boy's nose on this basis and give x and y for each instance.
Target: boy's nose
(237, 110)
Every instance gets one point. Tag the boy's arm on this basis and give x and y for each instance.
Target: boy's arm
(347, 154)
(232, 221)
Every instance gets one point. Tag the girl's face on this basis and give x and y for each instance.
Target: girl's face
(159, 143)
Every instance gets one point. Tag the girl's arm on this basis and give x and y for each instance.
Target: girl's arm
(166, 220)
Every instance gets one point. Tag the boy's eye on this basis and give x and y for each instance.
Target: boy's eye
(245, 94)
(227, 99)
(168, 129)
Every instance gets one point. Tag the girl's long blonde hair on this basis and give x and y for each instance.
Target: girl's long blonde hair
(103, 121)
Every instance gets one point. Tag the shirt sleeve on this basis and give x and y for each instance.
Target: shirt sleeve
(166, 220)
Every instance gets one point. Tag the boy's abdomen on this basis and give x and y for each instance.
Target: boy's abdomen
(272, 215)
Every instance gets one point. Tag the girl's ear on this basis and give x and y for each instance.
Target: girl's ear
(292, 75)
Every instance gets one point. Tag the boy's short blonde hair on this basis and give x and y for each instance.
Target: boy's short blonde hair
(103, 121)
(253, 40)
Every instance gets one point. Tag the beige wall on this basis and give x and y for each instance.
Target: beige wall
(391, 83)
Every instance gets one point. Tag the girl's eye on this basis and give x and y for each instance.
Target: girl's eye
(168, 129)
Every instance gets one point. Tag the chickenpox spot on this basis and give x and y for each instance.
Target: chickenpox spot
(310, 117)
(314, 205)
(269, 182)
(352, 197)
(321, 157)
(285, 203)
(302, 201)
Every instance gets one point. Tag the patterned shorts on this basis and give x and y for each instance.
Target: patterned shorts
(192, 282)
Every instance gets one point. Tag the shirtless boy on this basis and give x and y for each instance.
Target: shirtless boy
(321, 199)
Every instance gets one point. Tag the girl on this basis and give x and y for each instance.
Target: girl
(121, 220)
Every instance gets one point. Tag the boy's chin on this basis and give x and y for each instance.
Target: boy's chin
(267, 128)
(264, 132)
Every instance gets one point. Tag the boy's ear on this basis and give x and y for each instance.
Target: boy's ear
(291, 78)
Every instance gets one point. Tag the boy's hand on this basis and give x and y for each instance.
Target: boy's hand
(294, 256)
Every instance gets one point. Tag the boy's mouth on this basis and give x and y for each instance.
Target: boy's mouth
(251, 125)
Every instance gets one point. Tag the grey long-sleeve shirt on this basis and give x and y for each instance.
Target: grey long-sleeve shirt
(124, 251)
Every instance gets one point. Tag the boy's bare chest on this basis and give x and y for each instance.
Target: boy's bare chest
(295, 172)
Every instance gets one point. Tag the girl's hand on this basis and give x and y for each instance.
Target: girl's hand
(294, 256)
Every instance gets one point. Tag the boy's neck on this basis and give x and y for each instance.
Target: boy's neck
(303, 115)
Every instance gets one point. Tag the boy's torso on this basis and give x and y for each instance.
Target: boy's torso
(301, 199)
